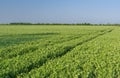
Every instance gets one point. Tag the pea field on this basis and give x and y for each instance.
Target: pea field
(59, 51)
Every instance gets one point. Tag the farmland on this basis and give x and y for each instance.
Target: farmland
(63, 51)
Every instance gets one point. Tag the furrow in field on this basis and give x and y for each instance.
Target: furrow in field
(17, 70)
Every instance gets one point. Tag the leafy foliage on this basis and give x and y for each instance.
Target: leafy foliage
(59, 52)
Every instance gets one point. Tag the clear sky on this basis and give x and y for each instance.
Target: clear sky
(60, 11)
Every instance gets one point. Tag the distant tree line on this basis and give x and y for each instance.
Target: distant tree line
(63, 24)
(48, 24)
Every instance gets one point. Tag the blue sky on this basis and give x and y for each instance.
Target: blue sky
(60, 11)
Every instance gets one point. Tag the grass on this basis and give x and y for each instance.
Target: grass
(59, 51)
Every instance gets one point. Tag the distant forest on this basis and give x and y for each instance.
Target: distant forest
(62, 24)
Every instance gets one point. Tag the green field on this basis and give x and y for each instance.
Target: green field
(46, 51)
